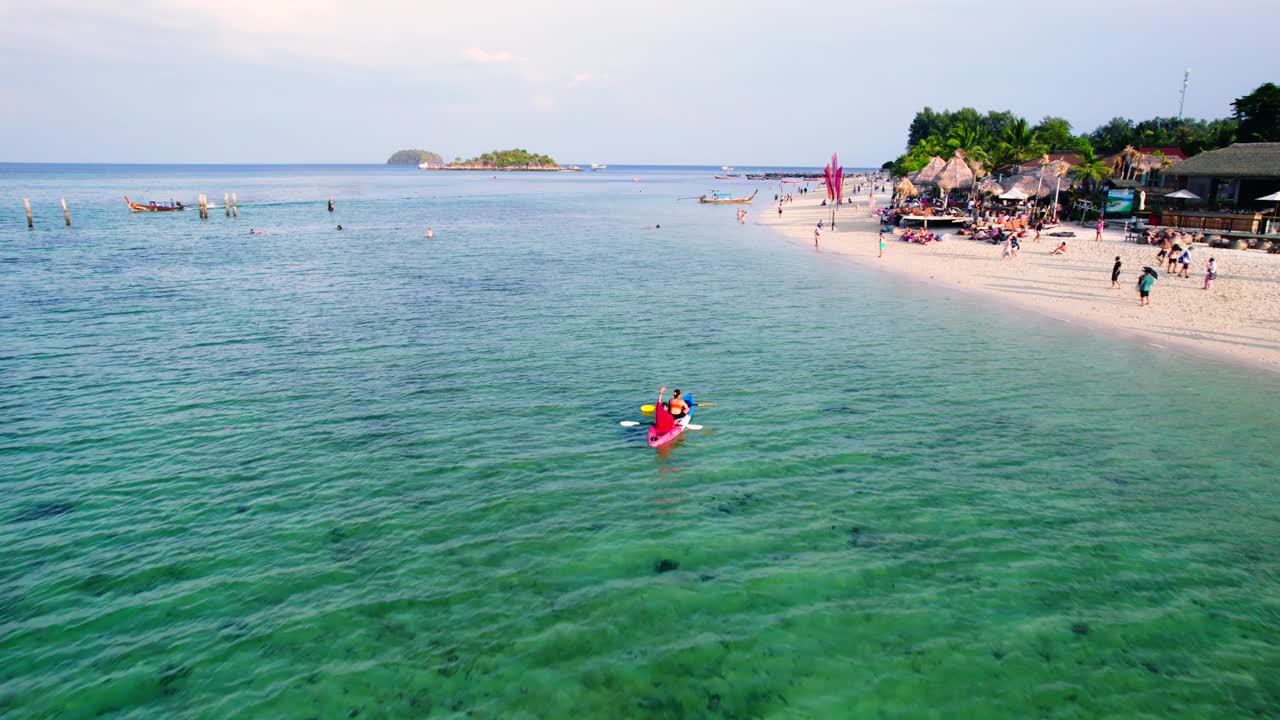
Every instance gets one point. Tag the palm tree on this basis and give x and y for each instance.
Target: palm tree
(1019, 142)
(970, 139)
(1091, 169)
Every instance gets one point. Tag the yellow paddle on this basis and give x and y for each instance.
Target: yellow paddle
(650, 408)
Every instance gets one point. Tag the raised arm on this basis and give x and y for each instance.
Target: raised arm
(660, 391)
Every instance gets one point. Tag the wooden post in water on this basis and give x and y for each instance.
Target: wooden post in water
(330, 204)
(27, 204)
(65, 212)
(226, 203)
(235, 206)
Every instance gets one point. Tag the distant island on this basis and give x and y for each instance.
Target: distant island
(507, 160)
(415, 157)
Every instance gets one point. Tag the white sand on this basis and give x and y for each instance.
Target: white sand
(1238, 320)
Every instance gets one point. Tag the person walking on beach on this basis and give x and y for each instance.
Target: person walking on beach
(1007, 249)
(1144, 288)
(1097, 235)
(1185, 261)
(1115, 273)
(1210, 274)
(1171, 264)
(882, 243)
(817, 234)
(1039, 227)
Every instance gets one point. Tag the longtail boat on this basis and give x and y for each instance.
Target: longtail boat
(153, 207)
(720, 199)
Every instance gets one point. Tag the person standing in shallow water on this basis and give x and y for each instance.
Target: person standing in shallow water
(1115, 273)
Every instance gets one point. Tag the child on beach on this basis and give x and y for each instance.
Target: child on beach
(1210, 273)
(1115, 273)
(817, 235)
(882, 246)
(1185, 261)
(1098, 235)
(1144, 288)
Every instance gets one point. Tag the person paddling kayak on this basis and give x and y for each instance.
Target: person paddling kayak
(662, 417)
(667, 425)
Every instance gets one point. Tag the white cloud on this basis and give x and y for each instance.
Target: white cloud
(580, 78)
(542, 103)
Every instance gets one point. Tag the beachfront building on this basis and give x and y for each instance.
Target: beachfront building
(1233, 177)
(1227, 185)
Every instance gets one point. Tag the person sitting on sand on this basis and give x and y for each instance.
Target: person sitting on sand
(1061, 249)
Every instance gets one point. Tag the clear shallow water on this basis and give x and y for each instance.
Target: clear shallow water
(309, 474)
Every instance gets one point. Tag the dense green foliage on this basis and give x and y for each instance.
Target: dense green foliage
(1259, 114)
(1000, 137)
(511, 158)
(413, 157)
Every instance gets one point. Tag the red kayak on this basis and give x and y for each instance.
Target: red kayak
(666, 428)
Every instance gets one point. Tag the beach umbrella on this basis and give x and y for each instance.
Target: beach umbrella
(905, 188)
(1188, 195)
(1014, 194)
(1273, 197)
(928, 174)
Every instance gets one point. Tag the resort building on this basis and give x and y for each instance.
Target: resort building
(1233, 177)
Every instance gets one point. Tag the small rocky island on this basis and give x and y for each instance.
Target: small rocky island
(415, 157)
(505, 160)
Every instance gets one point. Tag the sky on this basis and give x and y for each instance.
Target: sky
(690, 82)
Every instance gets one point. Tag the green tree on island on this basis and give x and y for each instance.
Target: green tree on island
(519, 157)
(1000, 137)
(413, 157)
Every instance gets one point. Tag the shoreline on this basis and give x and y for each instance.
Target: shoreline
(1222, 324)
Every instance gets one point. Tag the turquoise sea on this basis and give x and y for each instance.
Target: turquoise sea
(322, 474)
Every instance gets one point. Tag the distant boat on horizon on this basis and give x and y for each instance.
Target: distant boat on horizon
(598, 167)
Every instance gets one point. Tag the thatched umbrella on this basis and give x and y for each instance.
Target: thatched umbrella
(955, 175)
(990, 187)
(905, 188)
(928, 174)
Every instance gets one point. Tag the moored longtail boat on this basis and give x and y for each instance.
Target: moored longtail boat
(716, 199)
(153, 207)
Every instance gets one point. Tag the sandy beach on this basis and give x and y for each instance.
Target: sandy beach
(1234, 321)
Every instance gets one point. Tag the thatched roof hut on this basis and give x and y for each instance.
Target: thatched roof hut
(928, 174)
(955, 175)
(905, 188)
(990, 187)
(1042, 181)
